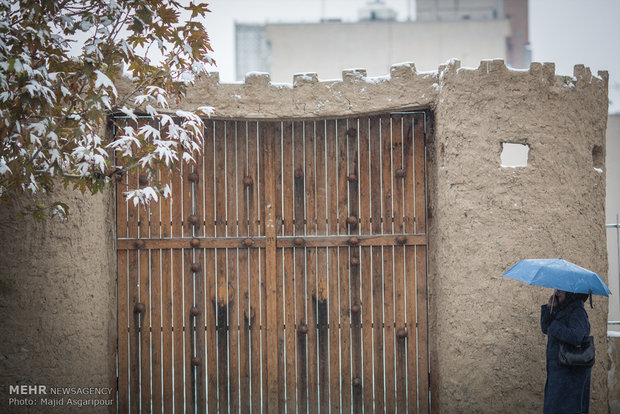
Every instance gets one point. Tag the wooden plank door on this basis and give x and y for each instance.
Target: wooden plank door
(287, 272)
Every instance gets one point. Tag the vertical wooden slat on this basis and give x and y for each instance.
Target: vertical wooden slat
(254, 312)
(145, 318)
(289, 270)
(388, 276)
(377, 282)
(409, 214)
(332, 228)
(272, 130)
(321, 269)
(123, 325)
(343, 267)
(365, 262)
(134, 339)
(166, 294)
(177, 298)
(188, 290)
(300, 274)
(399, 283)
(156, 335)
(199, 371)
(222, 283)
(177, 206)
(263, 271)
(210, 310)
(156, 322)
(244, 299)
(420, 254)
(177, 295)
(231, 231)
(123, 308)
(354, 269)
(198, 195)
(279, 268)
(311, 295)
(419, 166)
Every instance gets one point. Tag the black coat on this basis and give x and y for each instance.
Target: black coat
(567, 390)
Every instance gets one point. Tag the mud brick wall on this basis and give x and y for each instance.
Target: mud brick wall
(486, 348)
(58, 301)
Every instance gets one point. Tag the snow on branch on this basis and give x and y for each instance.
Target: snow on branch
(59, 62)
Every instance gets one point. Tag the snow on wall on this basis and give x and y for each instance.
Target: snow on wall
(404, 87)
(487, 351)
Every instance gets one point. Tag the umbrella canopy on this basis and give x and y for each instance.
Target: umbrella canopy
(558, 274)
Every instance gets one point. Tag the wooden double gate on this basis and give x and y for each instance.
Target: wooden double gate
(286, 273)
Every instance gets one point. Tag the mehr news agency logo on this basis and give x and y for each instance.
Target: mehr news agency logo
(42, 395)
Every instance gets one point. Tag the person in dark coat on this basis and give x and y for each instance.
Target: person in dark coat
(564, 319)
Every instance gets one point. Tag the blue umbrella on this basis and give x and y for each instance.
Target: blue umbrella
(558, 274)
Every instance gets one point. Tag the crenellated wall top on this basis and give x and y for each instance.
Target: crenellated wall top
(356, 93)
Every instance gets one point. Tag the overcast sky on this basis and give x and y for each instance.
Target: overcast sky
(566, 32)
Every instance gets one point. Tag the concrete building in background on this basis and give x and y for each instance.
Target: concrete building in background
(329, 48)
(451, 10)
(252, 51)
(518, 52)
(469, 30)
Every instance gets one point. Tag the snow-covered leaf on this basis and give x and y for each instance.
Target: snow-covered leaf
(57, 92)
(103, 81)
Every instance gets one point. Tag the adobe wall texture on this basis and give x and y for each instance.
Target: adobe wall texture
(57, 302)
(613, 377)
(487, 351)
(488, 347)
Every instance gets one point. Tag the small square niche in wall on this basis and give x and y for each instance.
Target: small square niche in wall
(514, 155)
